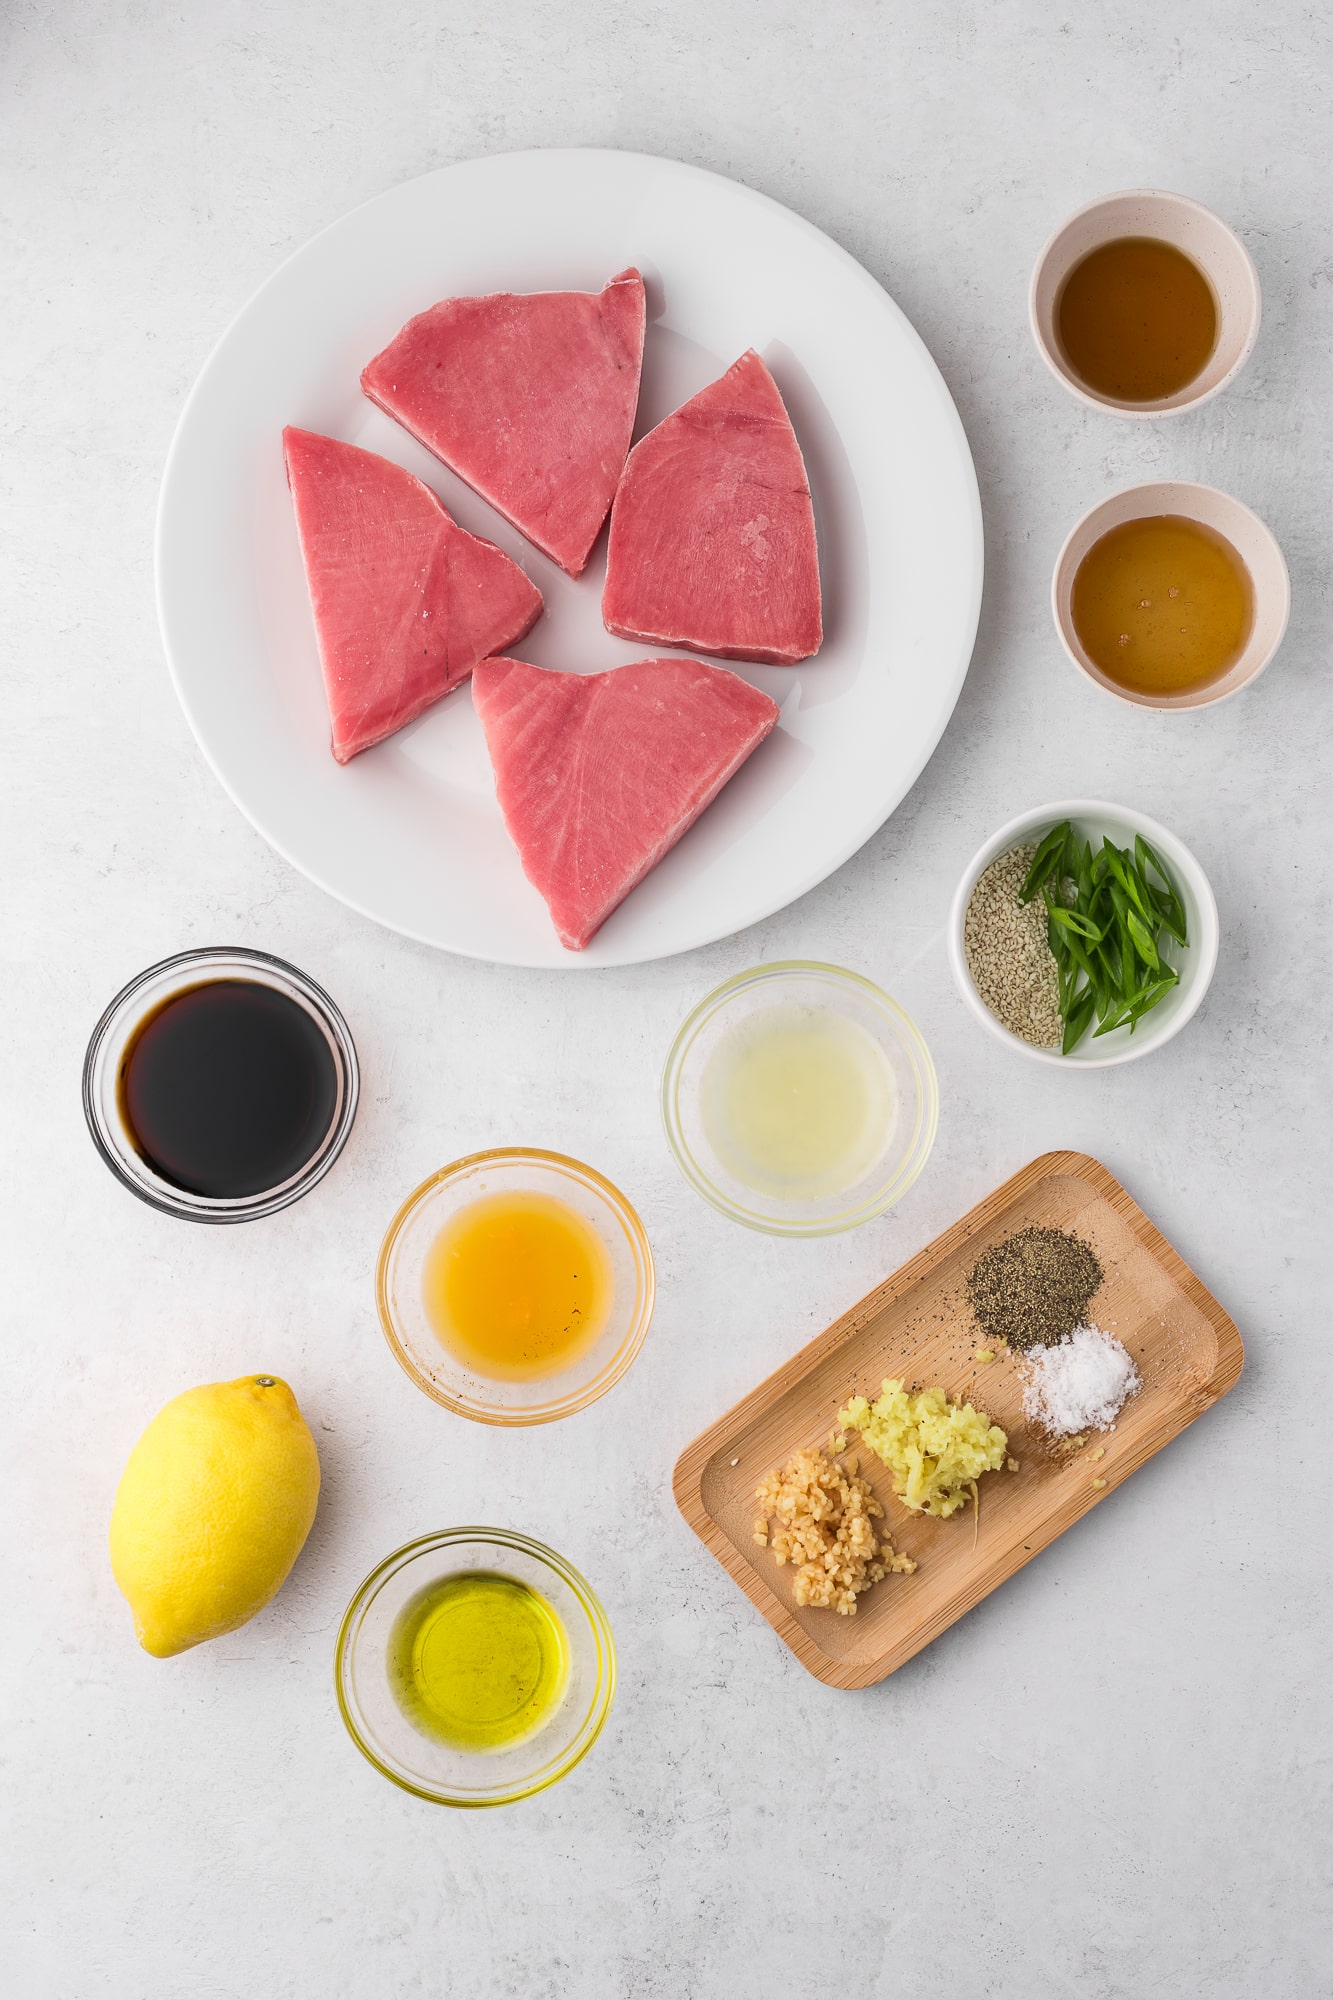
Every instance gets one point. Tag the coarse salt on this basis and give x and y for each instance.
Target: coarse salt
(1080, 1384)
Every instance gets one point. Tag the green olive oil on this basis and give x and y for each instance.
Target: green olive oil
(478, 1661)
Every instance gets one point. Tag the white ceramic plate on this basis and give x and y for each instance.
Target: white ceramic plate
(410, 833)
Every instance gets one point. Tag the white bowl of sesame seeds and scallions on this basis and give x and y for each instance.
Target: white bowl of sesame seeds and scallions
(1042, 1003)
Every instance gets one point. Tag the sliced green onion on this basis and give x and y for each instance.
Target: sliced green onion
(1107, 914)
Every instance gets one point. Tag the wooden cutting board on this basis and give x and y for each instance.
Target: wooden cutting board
(917, 1325)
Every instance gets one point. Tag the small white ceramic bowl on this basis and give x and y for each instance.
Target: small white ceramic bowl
(1253, 542)
(1188, 226)
(1093, 818)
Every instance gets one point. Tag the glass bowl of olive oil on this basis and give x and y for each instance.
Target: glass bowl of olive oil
(799, 1099)
(475, 1667)
(515, 1286)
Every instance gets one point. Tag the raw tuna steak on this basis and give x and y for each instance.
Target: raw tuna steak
(531, 399)
(599, 775)
(405, 601)
(712, 534)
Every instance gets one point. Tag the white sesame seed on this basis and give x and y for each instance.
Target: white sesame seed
(1011, 963)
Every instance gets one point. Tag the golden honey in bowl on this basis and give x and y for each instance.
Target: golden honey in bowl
(517, 1285)
(1137, 320)
(478, 1660)
(1163, 605)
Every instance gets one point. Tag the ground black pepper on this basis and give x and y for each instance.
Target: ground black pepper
(1033, 1288)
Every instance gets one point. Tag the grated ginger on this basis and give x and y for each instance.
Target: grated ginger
(935, 1449)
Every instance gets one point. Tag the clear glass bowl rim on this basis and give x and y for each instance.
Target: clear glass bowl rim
(542, 1413)
(885, 1197)
(590, 1603)
(157, 1193)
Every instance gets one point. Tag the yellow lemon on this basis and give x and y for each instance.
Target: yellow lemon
(212, 1510)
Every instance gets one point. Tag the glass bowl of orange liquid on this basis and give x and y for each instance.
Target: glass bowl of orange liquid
(515, 1286)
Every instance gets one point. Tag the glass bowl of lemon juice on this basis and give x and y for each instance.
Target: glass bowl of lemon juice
(800, 1099)
(475, 1667)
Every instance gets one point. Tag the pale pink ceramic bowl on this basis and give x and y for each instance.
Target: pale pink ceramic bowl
(1253, 542)
(1188, 226)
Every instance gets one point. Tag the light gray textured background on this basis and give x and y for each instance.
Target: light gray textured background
(1113, 1777)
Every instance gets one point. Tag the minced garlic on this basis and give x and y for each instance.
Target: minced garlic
(826, 1522)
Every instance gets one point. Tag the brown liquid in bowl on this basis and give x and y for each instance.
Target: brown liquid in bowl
(1137, 320)
(228, 1089)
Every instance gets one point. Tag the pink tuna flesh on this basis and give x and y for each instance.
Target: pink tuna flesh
(405, 601)
(713, 534)
(528, 397)
(599, 775)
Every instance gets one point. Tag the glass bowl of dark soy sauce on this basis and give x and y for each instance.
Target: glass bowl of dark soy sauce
(220, 1085)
